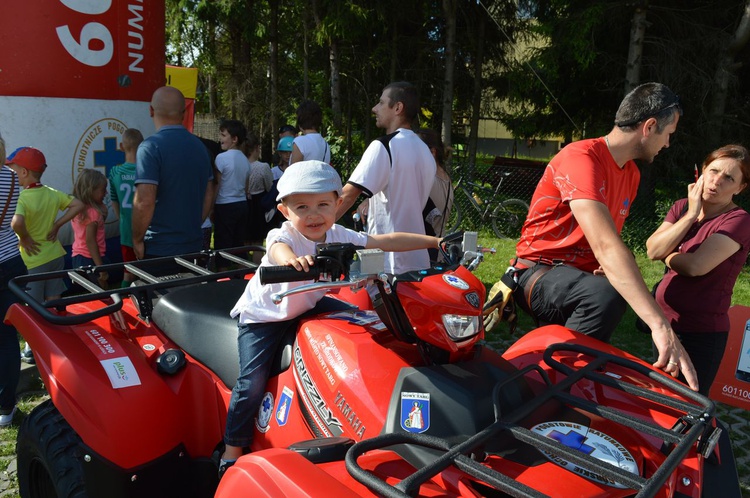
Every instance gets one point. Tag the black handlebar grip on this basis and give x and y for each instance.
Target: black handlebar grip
(279, 274)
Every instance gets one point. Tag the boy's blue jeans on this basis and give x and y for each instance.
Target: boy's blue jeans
(258, 343)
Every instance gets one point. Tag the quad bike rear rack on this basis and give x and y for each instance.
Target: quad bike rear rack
(695, 427)
(155, 276)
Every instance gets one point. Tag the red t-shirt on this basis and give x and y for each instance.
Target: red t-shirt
(582, 170)
(700, 304)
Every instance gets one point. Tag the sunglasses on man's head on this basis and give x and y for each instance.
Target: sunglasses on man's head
(637, 120)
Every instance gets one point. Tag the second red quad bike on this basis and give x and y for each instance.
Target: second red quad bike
(398, 397)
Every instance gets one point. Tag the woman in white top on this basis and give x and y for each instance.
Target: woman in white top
(310, 145)
(232, 177)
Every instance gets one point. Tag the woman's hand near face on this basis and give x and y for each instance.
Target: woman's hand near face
(695, 198)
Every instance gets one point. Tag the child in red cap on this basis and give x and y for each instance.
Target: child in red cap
(35, 223)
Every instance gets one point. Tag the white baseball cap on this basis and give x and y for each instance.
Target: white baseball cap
(308, 177)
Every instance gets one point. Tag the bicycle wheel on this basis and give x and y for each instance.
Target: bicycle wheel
(455, 216)
(508, 218)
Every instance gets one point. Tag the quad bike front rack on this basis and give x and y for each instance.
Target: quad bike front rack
(695, 427)
(155, 276)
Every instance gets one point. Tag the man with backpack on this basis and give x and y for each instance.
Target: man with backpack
(396, 174)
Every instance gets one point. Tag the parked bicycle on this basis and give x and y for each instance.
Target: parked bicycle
(507, 215)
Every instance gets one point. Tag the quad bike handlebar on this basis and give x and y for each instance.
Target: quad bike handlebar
(331, 262)
(280, 274)
(338, 266)
(346, 265)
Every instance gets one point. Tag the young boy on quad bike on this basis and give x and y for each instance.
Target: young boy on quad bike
(309, 195)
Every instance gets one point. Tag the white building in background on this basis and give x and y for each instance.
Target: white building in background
(494, 139)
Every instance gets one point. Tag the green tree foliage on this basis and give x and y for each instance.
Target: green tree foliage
(543, 67)
(259, 59)
(578, 75)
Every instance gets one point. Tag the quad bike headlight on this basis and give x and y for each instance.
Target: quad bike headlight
(461, 327)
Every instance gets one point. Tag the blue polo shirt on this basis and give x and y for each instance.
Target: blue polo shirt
(178, 163)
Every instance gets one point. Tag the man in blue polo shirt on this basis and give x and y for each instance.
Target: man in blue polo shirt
(173, 185)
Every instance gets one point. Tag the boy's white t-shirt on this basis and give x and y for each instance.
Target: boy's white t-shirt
(256, 306)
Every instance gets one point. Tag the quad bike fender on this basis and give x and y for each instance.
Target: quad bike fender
(538, 339)
(121, 407)
(279, 472)
(528, 350)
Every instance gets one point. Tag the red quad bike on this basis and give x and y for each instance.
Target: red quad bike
(400, 398)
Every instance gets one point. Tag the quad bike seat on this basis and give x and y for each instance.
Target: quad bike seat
(197, 319)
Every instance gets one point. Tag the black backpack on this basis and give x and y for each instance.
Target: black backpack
(385, 140)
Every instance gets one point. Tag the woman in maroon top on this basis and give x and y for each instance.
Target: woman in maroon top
(704, 242)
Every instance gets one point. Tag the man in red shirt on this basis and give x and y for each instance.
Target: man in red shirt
(572, 267)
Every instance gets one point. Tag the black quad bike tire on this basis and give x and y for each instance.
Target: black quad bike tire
(49, 462)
